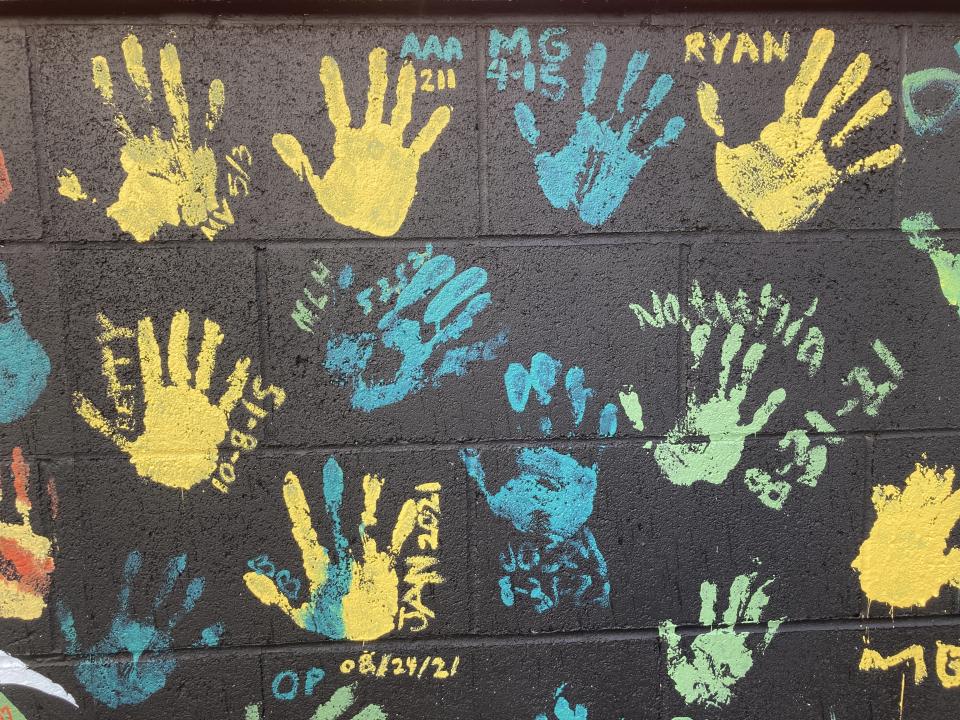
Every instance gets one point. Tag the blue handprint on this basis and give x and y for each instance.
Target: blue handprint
(562, 709)
(550, 499)
(116, 682)
(596, 167)
(348, 354)
(24, 366)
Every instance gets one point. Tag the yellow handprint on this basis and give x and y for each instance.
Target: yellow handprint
(373, 178)
(905, 560)
(168, 180)
(782, 179)
(351, 598)
(182, 428)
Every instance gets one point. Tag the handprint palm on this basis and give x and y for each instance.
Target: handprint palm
(595, 169)
(721, 656)
(26, 557)
(182, 428)
(550, 499)
(168, 181)
(24, 366)
(350, 597)
(782, 179)
(905, 560)
(116, 682)
(436, 279)
(719, 418)
(373, 178)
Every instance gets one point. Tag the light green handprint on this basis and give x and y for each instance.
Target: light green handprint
(721, 656)
(685, 460)
(946, 263)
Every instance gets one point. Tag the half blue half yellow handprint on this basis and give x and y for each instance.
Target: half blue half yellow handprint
(350, 597)
(144, 664)
(595, 169)
(447, 302)
(24, 366)
(550, 499)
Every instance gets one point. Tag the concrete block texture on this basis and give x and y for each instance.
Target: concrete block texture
(470, 366)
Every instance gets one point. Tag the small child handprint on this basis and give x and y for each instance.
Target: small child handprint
(183, 427)
(782, 179)
(435, 292)
(721, 656)
(26, 558)
(595, 169)
(550, 499)
(350, 597)
(116, 681)
(718, 418)
(373, 179)
(168, 180)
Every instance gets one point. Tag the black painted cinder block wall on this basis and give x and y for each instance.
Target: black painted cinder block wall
(862, 371)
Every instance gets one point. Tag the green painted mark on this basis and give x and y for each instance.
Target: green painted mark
(722, 655)
(946, 263)
(630, 402)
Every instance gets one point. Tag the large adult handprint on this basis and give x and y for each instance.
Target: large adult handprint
(24, 366)
(26, 560)
(550, 499)
(373, 178)
(128, 681)
(718, 418)
(348, 597)
(782, 179)
(721, 655)
(183, 427)
(595, 169)
(907, 560)
(435, 292)
(168, 180)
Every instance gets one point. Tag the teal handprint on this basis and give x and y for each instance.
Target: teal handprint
(721, 656)
(24, 366)
(437, 284)
(562, 710)
(718, 418)
(595, 169)
(550, 499)
(128, 681)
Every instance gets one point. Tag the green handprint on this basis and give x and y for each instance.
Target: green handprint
(685, 461)
(721, 656)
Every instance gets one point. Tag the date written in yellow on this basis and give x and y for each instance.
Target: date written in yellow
(429, 667)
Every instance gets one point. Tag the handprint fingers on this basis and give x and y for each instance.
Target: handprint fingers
(526, 123)
(464, 319)
(21, 479)
(372, 487)
(151, 365)
(635, 66)
(731, 346)
(455, 292)
(708, 603)
(765, 411)
(661, 86)
(190, 599)
(671, 131)
(316, 559)
(266, 591)
(739, 589)
(176, 97)
(291, 152)
(593, 64)
(877, 106)
(848, 84)
(337, 108)
(876, 161)
(103, 82)
(68, 628)
(206, 360)
(175, 568)
(434, 273)
(216, 99)
(95, 419)
(751, 362)
(406, 87)
(406, 521)
(709, 102)
(131, 569)
(431, 131)
(236, 384)
(177, 349)
(796, 96)
(758, 602)
(133, 60)
(378, 86)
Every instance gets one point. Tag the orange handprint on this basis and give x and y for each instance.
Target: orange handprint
(25, 557)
